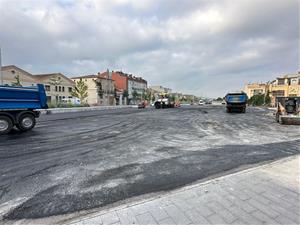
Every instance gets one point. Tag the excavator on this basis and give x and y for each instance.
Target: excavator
(288, 110)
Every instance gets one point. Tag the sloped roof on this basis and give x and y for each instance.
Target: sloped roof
(10, 67)
(45, 76)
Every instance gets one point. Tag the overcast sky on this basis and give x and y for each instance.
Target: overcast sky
(203, 47)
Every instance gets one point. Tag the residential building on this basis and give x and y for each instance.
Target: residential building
(126, 82)
(285, 86)
(10, 73)
(255, 89)
(57, 86)
(108, 89)
(160, 89)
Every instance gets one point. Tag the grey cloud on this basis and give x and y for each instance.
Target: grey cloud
(197, 47)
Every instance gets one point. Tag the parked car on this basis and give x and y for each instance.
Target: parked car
(201, 102)
(142, 105)
(72, 100)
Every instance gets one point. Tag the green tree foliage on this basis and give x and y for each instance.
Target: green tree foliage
(80, 90)
(125, 94)
(17, 82)
(99, 88)
(135, 95)
(260, 99)
(172, 98)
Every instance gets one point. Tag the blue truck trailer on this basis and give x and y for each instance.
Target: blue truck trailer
(18, 107)
(236, 102)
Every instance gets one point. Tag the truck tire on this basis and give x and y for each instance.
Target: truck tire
(277, 117)
(6, 124)
(26, 122)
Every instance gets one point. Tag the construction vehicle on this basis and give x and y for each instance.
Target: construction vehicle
(288, 110)
(163, 102)
(18, 107)
(236, 102)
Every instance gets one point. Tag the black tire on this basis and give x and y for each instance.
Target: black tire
(277, 117)
(157, 105)
(243, 110)
(26, 122)
(6, 124)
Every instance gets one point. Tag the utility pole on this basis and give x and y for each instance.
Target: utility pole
(1, 75)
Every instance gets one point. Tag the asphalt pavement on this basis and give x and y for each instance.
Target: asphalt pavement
(80, 161)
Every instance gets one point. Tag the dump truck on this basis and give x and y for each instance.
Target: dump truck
(19, 107)
(236, 102)
(288, 110)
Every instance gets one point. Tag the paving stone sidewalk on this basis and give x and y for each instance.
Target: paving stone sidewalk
(267, 194)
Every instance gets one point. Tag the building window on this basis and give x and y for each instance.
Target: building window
(70, 89)
(47, 87)
(281, 82)
(48, 98)
(279, 93)
(63, 89)
(56, 89)
(59, 88)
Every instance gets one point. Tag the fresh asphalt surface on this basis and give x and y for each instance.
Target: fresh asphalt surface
(76, 161)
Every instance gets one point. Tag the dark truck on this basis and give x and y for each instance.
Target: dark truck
(236, 102)
(18, 107)
(288, 110)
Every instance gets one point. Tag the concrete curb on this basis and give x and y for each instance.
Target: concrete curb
(83, 109)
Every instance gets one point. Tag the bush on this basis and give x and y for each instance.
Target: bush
(259, 100)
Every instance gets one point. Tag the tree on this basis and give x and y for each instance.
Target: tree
(134, 95)
(172, 98)
(125, 94)
(257, 100)
(17, 83)
(80, 90)
(267, 98)
(99, 88)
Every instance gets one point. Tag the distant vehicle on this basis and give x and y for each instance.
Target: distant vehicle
(142, 105)
(236, 102)
(223, 102)
(201, 102)
(163, 103)
(18, 107)
(73, 101)
(208, 102)
(288, 110)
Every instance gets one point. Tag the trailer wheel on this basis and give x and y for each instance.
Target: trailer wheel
(6, 124)
(26, 122)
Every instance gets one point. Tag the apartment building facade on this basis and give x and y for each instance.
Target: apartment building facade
(57, 85)
(108, 89)
(285, 86)
(126, 82)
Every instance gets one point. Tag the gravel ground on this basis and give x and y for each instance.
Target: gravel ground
(79, 161)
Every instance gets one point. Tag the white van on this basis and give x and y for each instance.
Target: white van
(201, 102)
